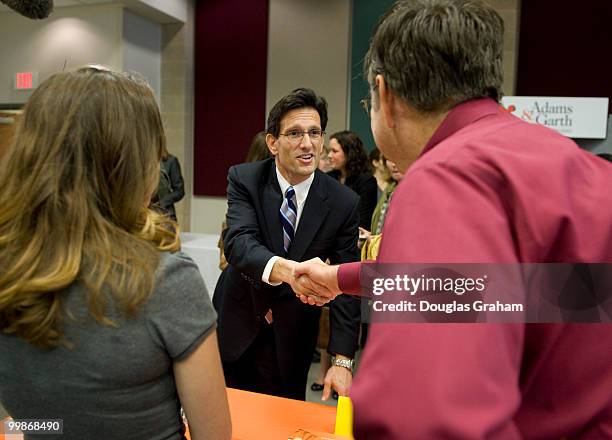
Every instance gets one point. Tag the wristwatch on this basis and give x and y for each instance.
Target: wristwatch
(349, 364)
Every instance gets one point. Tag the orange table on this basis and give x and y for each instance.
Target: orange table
(8, 436)
(259, 416)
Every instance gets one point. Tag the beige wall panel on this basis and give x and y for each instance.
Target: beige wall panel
(308, 45)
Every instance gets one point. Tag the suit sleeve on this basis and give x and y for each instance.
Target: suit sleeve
(345, 310)
(442, 380)
(242, 241)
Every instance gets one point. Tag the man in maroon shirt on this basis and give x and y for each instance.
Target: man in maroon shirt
(481, 186)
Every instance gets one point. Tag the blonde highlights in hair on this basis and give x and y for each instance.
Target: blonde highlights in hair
(74, 190)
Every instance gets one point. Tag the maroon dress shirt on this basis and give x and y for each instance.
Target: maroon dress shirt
(491, 188)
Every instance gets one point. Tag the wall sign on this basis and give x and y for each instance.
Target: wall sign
(26, 80)
(585, 118)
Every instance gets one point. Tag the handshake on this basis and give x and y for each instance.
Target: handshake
(313, 281)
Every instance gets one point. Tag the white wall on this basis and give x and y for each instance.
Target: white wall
(207, 214)
(142, 48)
(80, 35)
(308, 45)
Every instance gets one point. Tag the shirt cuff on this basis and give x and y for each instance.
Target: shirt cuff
(349, 277)
(265, 276)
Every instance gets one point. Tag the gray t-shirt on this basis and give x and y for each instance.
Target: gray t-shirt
(116, 382)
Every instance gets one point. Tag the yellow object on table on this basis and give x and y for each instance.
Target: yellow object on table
(344, 417)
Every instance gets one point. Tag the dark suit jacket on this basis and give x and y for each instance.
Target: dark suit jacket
(366, 188)
(173, 169)
(327, 229)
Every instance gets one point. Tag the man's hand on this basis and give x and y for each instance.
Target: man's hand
(364, 237)
(338, 378)
(282, 271)
(313, 281)
(316, 282)
(309, 291)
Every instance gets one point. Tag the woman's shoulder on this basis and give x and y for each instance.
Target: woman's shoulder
(171, 159)
(179, 314)
(177, 281)
(177, 273)
(171, 263)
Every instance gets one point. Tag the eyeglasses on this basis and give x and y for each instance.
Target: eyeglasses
(296, 136)
(366, 103)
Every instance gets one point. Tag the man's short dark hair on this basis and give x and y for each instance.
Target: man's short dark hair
(435, 54)
(299, 98)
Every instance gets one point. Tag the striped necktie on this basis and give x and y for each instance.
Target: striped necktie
(288, 216)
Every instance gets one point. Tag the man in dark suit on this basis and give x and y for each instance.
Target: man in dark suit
(280, 211)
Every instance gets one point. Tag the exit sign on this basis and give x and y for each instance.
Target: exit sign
(26, 80)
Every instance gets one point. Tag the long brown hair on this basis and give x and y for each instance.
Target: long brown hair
(357, 162)
(74, 189)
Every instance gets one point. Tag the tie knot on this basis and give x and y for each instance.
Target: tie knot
(290, 193)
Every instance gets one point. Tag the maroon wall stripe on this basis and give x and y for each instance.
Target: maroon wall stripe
(231, 45)
(564, 48)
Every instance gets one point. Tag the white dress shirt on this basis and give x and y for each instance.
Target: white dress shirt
(301, 193)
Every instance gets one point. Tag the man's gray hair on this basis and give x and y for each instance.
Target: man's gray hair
(436, 54)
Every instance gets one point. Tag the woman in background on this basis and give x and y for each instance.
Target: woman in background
(372, 238)
(100, 324)
(171, 187)
(380, 211)
(324, 163)
(380, 171)
(351, 167)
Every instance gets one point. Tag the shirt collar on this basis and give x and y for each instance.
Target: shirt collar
(461, 116)
(301, 189)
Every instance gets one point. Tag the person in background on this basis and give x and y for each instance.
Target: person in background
(258, 150)
(324, 164)
(350, 164)
(283, 210)
(380, 171)
(171, 187)
(373, 237)
(369, 250)
(480, 186)
(102, 325)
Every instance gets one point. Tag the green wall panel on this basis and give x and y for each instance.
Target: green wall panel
(365, 16)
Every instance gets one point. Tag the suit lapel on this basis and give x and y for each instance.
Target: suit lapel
(271, 200)
(315, 211)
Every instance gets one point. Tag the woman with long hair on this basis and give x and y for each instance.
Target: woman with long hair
(101, 324)
(351, 167)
